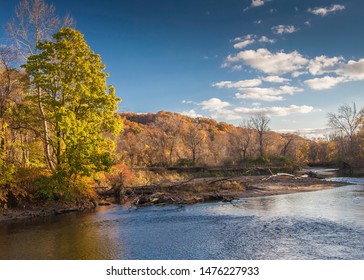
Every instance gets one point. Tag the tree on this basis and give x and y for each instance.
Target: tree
(246, 136)
(7, 87)
(165, 133)
(260, 123)
(11, 89)
(288, 139)
(347, 121)
(240, 140)
(35, 21)
(193, 139)
(76, 102)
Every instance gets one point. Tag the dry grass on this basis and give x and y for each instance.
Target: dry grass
(145, 177)
(200, 186)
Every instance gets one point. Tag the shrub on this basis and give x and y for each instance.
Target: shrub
(10, 191)
(120, 176)
(184, 162)
(262, 160)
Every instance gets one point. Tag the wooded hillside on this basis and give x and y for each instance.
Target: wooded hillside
(172, 139)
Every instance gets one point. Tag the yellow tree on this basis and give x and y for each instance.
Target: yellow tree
(77, 104)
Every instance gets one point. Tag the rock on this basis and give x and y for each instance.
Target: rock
(213, 197)
(311, 174)
(227, 199)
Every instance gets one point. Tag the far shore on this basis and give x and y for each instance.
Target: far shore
(192, 191)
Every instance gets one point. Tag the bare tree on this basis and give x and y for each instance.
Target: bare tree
(260, 123)
(347, 120)
(35, 21)
(288, 139)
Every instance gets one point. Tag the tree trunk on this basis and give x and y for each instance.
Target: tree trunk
(261, 145)
(46, 144)
(193, 157)
(3, 142)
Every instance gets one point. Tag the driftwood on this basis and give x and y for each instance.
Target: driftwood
(224, 179)
(182, 183)
(280, 175)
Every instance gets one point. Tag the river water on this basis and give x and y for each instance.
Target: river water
(326, 224)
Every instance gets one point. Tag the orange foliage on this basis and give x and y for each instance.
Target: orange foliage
(120, 176)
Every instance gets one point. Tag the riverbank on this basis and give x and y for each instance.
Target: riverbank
(202, 190)
(43, 209)
(192, 191)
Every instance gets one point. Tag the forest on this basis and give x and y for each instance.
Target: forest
(61, 132)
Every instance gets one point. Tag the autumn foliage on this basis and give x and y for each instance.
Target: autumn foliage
(171, 139)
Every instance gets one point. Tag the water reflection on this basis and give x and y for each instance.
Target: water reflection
(72, 236)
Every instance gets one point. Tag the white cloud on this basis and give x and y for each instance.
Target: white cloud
(243, 112)
(267, 94)
(187, 102)
(191, 113)
(249, 39)
(236, 67)
(271, 63)
(322, 64)
(296, 74)
(353, 70)
(214, 104)
(225, 114)
(217, 110)
(243, 44)
(307, 22)
(350, 71)
(312, 132)
(324, 11)
(326, 82)
(257, 21)
(284, 29)
(257, 3)
(243, 38)
(265, 39)
(238, 84)
(262, 95)
(275, 111)
(275, 79)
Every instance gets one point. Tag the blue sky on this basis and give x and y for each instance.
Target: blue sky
(293, 60)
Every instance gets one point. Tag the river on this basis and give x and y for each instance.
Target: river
(326, 224)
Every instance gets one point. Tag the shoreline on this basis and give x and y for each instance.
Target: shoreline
(44, 210)
(226, 189)
(192, 191)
